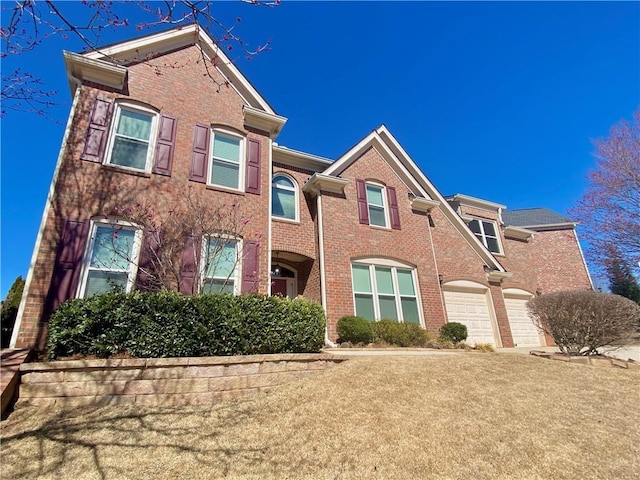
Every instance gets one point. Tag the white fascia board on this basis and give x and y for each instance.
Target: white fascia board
(518, 233)
(475, 202)
(268, 122)
(92, 70)
(324, 183)
(300, 159)
(425, 205)
(445, 207)
(139, 49)
(552, 226)
(496, 276)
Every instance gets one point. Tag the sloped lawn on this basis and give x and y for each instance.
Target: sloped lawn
(463, 416)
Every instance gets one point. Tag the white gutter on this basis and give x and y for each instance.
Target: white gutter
(323, 286)
(45, 215)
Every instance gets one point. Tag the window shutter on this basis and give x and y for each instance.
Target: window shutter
(96, 139)
(189, 269)
(363, 207)
(67, 265)
(200, 155)
(164, 147)
(394, 211)
(253, 167)
(250, 265)
(145, 279)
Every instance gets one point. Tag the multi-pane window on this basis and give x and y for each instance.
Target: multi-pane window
(487, 233)
(376, 205)
(131, 139)
(219, 265)
(385, 292)
(225, 163)
(111, 259)
(283, 198)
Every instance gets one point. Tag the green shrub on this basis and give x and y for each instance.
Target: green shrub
(400, 334)
(454, 332)
(580, 322)
(355, 330)
(167, 324)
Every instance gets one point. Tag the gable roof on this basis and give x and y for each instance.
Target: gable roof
(408, 171)
(533, 218)
(118, 55)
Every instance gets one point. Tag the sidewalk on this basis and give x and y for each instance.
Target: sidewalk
(10, 361)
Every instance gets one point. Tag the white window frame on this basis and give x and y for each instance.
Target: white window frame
(153, 133)
(385, 207)
(237, 287)
(132, 269)
(394, 266)
(293, 189)
(241, 161)
(483, 236)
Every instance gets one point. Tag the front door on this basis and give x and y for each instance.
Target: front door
(279, 287)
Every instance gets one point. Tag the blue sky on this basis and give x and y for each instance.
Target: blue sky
(498, 100)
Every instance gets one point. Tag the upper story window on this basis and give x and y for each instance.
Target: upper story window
(385, 291)
(377, 205)
(220, 265)
(133, 130)
(111, 258)
(130, 136)
(226, 161)
(223, 158)
(284, 198)
(486, 232)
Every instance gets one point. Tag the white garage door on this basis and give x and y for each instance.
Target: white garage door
(523, 331)
(471, 309)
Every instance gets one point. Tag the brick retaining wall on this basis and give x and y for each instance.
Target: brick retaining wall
(162, 381)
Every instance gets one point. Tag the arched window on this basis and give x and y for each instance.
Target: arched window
(284, 198)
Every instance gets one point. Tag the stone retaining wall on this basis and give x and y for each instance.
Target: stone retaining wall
(162, 381)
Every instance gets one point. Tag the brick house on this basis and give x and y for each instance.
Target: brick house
(366, 233)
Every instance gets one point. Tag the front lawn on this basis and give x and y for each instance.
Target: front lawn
(458, 416)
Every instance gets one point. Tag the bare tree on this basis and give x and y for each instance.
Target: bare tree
(27, 24)
(610, 208)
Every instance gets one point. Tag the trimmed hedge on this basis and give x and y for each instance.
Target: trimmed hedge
(401, 334)
(167, 324)
(354, 330)
(454, 332)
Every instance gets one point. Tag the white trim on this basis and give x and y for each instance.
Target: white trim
(296, 196)
(551, 226)
(518, 233)
(43, 221)
(584, 262)
(241, 158)
(384, 206)
(323, 278)
(319, 182)
(516, 293)
(291, 281)
(93, 70)
(424, 205)
(483, 235)
(267, 122)
(269, 223)
(295, 158)
(132, 268)
(474, 202)
(120, 105)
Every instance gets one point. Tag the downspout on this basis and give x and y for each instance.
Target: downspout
(323, 287)
(435, 262)
(45, 215)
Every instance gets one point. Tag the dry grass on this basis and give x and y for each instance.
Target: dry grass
(459, 416)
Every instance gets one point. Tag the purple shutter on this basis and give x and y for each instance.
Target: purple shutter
(250, 265)
(394, 211)
(96, 139)
(164, 147)
(149, 254)
(189, 268)
(68, 263)
(253, 167)
(200, 155)
(363, 207)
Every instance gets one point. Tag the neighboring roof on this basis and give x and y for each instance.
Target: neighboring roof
(536, 217)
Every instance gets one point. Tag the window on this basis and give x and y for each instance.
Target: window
(220, 262)
(111, 259)
(284, 198)
(385, 291)
(224, 170)
(133, 131)
(376, 205)
(487, 233)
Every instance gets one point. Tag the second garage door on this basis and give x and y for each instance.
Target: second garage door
(471, 309)
(523, 331)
